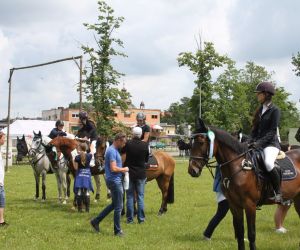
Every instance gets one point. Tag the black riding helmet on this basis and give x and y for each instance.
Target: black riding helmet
(140, 116)
(83, 115)
(265, 87)
(59, 123)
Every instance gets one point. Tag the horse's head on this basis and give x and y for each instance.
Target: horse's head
(101, 146)
(36, 145)
(21, 148)
(200, 149)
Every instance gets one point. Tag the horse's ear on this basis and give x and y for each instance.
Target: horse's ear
(40, 134)
(200, 125)
(34, 133)
(23, 137)
(18, 138)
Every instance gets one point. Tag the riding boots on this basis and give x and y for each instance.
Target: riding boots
(275, 180)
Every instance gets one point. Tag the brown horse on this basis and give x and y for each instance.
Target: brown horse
(164, 175)
(241, 187)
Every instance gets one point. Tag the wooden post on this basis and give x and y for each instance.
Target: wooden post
(8, 117)
(80, 84)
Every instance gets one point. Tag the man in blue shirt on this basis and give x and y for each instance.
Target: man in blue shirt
(114, 172)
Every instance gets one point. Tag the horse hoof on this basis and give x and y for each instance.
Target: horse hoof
(96, 201)
(43, 200)
(160, 213)
(35, 199)
(73, 208)
(64, 202)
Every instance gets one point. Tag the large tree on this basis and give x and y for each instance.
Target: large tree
(102, 80)
(202, 63)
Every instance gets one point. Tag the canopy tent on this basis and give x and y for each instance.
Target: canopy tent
(26, 127)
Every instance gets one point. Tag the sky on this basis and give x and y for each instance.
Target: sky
(154, 33)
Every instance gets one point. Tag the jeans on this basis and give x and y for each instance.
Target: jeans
(137, 186)
(2, 197)
(116, 189)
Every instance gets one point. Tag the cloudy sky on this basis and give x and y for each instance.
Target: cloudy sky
(154, 33)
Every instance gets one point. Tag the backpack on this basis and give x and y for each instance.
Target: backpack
(297, 136)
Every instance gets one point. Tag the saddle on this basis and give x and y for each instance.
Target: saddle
(152, 162)
(255, 160)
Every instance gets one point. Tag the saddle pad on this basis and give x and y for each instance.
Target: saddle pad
(287, 168)
(152, 161)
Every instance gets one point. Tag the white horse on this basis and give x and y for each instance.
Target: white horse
(41, 165)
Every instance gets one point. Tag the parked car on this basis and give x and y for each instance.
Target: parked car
(157, 145)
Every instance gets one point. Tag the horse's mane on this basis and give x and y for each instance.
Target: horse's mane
(230, 141)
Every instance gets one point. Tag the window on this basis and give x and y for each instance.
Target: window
(154, 116)
(75, 115)
(116, 114)
(127, 115)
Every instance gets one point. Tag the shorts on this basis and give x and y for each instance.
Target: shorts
(2, 197)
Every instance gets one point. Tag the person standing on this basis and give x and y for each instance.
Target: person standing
(222, 209)
(83, 182)
(264, 133)
(137, 154)
(114, 172)
(2, 192)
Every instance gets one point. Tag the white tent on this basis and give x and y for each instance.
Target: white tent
(26, 127)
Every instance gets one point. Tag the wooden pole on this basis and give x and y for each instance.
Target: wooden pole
(8, 118)
(80, 83)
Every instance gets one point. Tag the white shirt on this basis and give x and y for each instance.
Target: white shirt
(1, 170)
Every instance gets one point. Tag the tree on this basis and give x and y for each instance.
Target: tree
(100, 85)
(202, 63)
(296, 63)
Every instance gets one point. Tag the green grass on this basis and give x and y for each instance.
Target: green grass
(49, 225)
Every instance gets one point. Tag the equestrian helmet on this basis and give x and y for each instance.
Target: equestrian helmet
(59, 123)
(83, 115)
(140, 116)
(265, 87)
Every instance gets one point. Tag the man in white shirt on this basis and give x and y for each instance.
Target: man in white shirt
(2, 193)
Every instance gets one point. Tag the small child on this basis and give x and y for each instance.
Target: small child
(83, 182)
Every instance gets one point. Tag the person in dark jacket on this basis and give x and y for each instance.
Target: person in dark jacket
(89, 132)
(58, 130)
(264, 132)
(137, 154)
(141, 122)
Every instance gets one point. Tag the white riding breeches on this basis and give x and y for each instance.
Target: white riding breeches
(270, 157)
(93, 151)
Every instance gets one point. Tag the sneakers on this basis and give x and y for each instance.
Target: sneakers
(95, 226)
(281, 230)
(120, 234)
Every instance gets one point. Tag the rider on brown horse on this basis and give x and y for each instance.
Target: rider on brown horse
(264, 132)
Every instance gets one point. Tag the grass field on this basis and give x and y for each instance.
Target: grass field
(50, 225)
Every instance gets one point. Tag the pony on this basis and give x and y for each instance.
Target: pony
(68, 146)
(184, 148)
(164, 176)
(41, 165)
(22, 149)
(242, 188)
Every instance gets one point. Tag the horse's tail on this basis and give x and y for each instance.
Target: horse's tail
(170, 196)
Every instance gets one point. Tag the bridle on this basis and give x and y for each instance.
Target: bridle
(34, 152)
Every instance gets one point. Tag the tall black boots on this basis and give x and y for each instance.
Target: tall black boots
(275, 180)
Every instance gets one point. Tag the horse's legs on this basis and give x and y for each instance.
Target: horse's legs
(297, 204)
(37, 184)
(98, 183)
(68, 184)
(163, 183)
(44, 173)
(238, 224)
(63, 184)
(251, 215)
(58, 180)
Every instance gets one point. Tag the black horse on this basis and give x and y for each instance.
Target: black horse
(22, 149)
(184, 148)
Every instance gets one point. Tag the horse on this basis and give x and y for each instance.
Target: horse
(41, 165)
(67, 146)
(22, 149)
(242, 188)
(184, 148)
(164, 176)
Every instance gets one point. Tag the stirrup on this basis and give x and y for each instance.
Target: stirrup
(277, 198)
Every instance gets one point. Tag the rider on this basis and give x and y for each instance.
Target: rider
(55, 132)
(58, 130)
(88, 131)
(141, 122)
(264, 132)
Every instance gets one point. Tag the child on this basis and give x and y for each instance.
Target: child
(83, 182)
